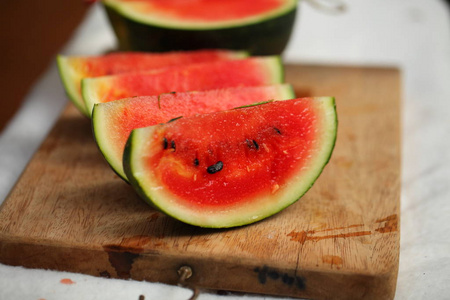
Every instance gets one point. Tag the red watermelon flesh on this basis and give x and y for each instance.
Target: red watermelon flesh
(74, 68)
(233, 167)
(173, 13)
(222, 74)
(204, 10)
(113, 121)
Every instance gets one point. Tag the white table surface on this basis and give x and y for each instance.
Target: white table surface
(413, 35)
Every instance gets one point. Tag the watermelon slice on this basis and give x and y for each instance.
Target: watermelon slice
(72, 69)
(113, 121)
(234, 167)
(262, 27)
(222, 74)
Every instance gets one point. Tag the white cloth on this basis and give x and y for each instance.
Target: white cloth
(411, 34)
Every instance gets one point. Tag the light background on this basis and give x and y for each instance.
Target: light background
(413, 35)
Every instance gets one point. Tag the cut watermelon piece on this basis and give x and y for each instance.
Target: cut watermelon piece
(262, 27)
(234, 167)
(72, 69)
(195, 77)
(113, 121)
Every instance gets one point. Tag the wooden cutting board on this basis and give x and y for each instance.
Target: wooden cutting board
(70, 212)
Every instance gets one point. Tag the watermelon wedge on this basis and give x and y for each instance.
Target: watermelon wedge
(205, 76)
(234, 167)
(74, 68)
(262, 27)
(113, 121)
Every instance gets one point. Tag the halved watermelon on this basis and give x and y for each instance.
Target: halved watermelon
(232, 167)
(204, 76)
(113, 121)
(262, 27)
(74, 68)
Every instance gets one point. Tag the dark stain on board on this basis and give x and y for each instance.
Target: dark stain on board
(390, 224)
(339, 228)
(309, 235)
(303, 236)
(333, 260)
(264, 273)
(153, 217)
(121, 260)
(122, 256)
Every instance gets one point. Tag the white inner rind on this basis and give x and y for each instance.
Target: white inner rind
(71, 79)
(93, 89)
(102, 128)
(256, 208)
(137, 11)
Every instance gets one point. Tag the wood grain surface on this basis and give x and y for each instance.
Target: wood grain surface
(70, 212)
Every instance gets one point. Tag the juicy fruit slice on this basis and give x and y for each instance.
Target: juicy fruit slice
(233, 167)
(72, 69)
(200, 14)
(113, 121)
(205, 76)
(262, 27)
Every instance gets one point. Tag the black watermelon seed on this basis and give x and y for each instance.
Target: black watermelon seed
(174, 119)
(172, 145)
(277, 130)
(256, 144)
(252, 144)
(196, 162)
(165, 143)
(215, 167)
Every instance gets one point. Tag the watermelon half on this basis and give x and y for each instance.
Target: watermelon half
(262, 27)
(194, 77)
(113, 121)
(234, 167)
(74, 68)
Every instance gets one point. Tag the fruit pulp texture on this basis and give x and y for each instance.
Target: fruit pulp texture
(236, 156)
(207, 10)
(140, 112)
(236, 73)
(123, 62)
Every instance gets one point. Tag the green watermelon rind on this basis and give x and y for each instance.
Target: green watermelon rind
(99, 119)
(65, 73)
(89, 85)
(89, 92)
(265, 36)
(255, 104)
(293, 194)
(123, 9)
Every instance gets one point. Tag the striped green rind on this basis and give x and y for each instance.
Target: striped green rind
(155, 19)
(295, 188)
(266, 34)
